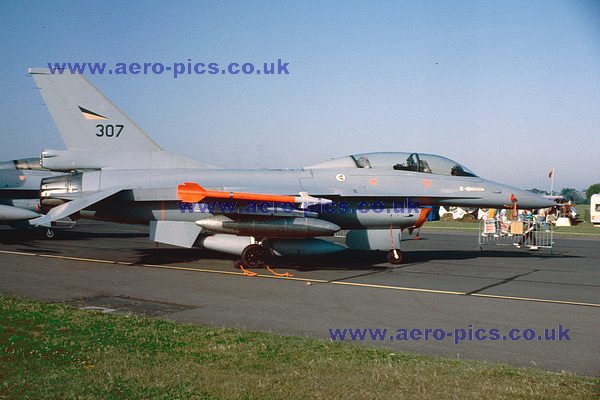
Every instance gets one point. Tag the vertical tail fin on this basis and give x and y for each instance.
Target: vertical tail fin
(86, 119)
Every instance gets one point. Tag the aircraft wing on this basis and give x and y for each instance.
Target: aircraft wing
(66, 209)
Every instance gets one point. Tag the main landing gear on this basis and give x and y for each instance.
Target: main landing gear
(49, 233)
(254, 255)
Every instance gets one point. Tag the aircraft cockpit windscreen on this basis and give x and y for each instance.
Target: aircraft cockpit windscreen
(415, 162)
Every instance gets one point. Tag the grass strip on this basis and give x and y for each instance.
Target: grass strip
(50, 351)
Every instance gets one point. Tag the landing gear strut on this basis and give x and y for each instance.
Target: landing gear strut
(49, 233)
(253, 255)
(395, 257)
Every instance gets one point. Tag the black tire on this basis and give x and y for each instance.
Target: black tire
(395, 257)
(252, 255)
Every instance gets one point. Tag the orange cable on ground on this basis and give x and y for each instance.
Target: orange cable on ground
(247, 272)
(285, 274)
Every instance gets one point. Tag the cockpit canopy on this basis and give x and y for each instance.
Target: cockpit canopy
(414, 162)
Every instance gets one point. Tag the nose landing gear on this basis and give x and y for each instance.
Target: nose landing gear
(395, 257)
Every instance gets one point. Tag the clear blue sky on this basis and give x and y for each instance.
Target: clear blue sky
(510, 88)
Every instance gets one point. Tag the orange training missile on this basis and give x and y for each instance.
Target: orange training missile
(192, 192)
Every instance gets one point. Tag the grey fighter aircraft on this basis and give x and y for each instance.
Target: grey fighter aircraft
(114, 171)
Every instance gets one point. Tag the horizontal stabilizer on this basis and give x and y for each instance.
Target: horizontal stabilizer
(66, 209)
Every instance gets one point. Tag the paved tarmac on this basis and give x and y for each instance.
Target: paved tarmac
(447, 283)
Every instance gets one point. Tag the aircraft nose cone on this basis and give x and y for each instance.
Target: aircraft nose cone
(527, 199)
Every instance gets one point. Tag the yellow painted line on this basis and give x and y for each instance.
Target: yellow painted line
(293, 278)
(573, 303)
(78, 259)
(17, 253)
(217, 271)
(213, 271)
(407, 289)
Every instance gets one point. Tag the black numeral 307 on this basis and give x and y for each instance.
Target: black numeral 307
(109, 130)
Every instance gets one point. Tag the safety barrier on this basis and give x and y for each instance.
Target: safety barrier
(532, 235)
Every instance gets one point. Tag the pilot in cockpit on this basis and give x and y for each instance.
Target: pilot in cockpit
(424, 167)
(457, 170)
(363, 162)
(413, 163)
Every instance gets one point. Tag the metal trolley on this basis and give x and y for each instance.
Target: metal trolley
(532, 235)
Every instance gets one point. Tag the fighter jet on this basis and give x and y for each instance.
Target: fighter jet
(114, 171)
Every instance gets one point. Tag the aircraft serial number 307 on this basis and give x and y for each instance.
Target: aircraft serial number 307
(109, 130)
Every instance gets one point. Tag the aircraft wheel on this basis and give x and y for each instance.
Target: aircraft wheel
(395, 257)
(252, 255)
(49, 233)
